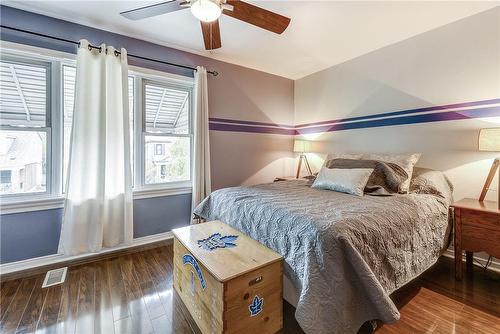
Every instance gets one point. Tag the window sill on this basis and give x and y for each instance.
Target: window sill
(161, 192)
(32, 204)
(50, 203)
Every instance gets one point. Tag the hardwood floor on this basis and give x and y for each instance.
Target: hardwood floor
(133, 293)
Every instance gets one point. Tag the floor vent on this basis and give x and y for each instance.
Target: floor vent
(54, 277)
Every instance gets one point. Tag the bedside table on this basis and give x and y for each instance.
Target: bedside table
(285, 178)
(477, 228)
(288, 178)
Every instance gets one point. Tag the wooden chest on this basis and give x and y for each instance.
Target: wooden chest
(229, 282)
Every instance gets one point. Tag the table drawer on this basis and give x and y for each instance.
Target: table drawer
(480, 232)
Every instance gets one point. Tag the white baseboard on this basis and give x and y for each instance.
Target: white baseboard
(494, 265)
(13, 267)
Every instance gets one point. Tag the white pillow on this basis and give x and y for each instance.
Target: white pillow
(350, 181)
(405, 161)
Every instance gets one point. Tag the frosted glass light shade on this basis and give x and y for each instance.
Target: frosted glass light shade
(206, 10)
(301, 146)
(489, 140)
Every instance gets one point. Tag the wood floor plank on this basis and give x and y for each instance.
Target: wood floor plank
(162, 325)
(86, 301)
(117, 290)
(68, 311)
(158, 273)
(8, 291)
(139, 319)
(50, 310)
(32, 312)
(150, 295)
(18, 305)
(473, 320)
(103, 323)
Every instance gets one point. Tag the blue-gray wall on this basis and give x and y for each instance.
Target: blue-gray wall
(30, 234)
(161, 214)
(33, 234)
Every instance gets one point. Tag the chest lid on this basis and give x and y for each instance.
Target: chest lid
(223, 250)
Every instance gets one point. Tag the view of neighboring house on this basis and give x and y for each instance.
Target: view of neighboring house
(22, 161)
(23, 139)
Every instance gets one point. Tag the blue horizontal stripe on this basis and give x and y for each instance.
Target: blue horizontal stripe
(402, 117)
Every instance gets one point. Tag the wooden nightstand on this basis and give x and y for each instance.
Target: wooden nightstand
(477, 228)
(284, 178)
(288, 178)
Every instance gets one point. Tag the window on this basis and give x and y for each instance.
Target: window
(160, 149)
(167, 133)
(25, 126)
(36, 113)
(6, 176)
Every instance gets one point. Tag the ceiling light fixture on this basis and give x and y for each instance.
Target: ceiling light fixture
(206, 10)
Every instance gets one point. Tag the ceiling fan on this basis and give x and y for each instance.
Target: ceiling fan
(209, 11)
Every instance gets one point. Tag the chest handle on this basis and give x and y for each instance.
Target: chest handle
(255, 280)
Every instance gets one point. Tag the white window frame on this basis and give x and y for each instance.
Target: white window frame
(140, 129)
(52, 117)
(53, 197)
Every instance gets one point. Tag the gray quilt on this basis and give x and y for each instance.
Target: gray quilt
(344, 253)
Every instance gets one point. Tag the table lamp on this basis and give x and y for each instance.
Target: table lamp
(302, 147)
(489, 140)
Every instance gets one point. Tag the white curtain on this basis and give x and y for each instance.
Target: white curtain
(98, 206)
(201, 177)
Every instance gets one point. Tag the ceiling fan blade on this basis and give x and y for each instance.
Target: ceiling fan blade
(211, 34)
(152, 10)
(257, 16)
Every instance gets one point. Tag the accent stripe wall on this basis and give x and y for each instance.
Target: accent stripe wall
(449, 112)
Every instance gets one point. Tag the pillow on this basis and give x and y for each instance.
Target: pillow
(433, 182)
(405, 161)
(350, 181)
(386, 179)
(332, 156)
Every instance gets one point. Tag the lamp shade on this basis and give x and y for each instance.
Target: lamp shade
(301, 146)
(489, 140)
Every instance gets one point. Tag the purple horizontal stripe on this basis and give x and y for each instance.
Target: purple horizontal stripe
(406, 120)
(224, 120)
(404, 112)
(220, 124)
(252, 129)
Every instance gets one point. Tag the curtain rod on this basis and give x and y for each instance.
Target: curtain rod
(214, 73)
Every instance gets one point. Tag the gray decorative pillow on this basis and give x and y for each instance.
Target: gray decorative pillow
(386, 179)
(405, 161)
(350, 181)
(433, 182)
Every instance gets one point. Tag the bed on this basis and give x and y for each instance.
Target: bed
(344, 254)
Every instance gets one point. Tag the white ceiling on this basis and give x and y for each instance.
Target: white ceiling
(321, 33)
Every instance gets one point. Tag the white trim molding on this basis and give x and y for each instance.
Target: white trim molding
(9, 268)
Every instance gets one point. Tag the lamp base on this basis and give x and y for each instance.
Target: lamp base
(304, 158)
(494, 167)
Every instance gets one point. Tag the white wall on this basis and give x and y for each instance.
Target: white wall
(457, 63)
